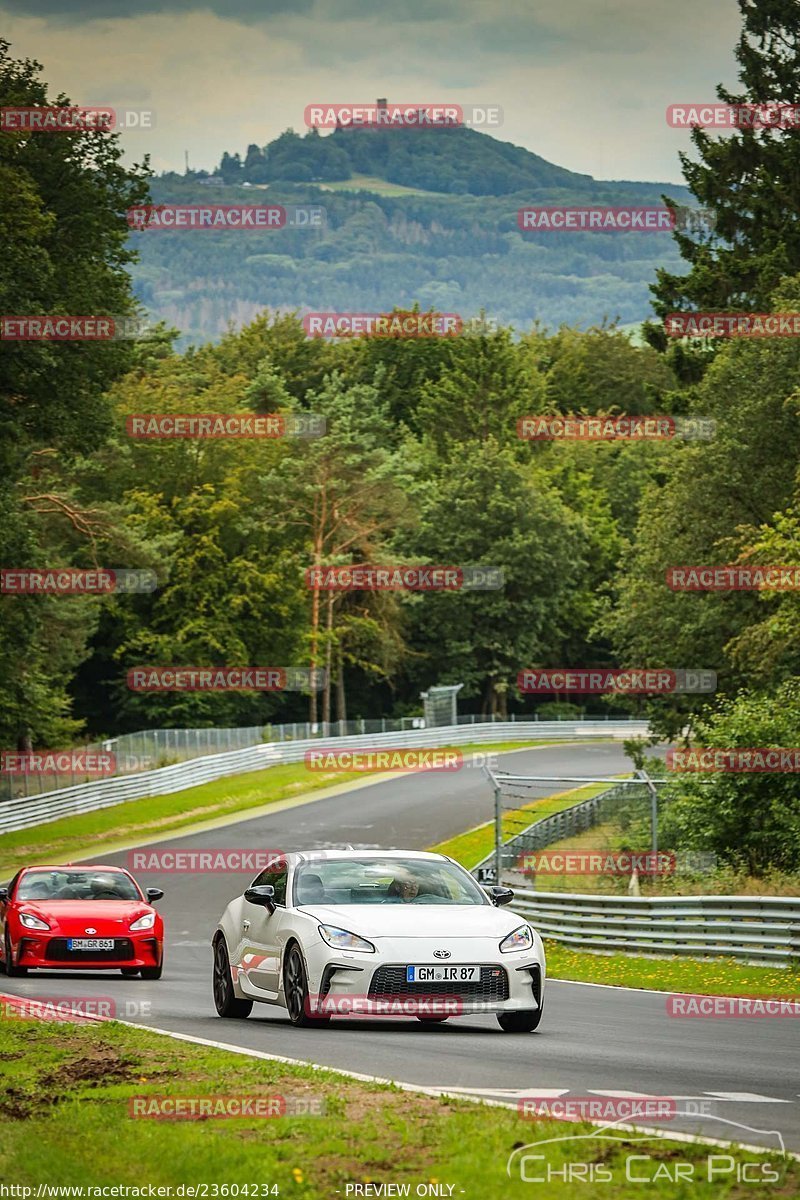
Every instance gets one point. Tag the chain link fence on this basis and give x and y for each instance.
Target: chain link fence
(149, 749)
(598, 837)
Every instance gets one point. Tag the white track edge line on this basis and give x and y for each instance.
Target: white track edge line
(618, 987)
(421, 1089)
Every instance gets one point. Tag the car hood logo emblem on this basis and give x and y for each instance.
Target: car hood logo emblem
(90, 930)
(441, 954)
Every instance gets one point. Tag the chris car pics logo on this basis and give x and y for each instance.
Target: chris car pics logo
(590, 1158)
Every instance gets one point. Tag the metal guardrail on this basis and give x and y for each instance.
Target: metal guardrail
(764, 931)
(148, 749)
(758, 930)
(103, 793)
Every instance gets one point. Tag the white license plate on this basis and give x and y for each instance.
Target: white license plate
(443, 974)
(90, 943)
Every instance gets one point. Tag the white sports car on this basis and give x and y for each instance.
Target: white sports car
(377, 933)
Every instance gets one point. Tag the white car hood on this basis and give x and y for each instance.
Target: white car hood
(417, 920)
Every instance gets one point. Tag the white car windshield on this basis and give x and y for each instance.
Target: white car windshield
(384, 881)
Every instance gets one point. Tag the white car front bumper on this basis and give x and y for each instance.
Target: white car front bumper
(508, 982)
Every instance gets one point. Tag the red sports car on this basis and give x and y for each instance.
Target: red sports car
(96, 918)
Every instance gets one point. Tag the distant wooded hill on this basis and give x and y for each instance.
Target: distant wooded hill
(426, 217)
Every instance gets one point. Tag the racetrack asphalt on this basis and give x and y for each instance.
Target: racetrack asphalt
(739, 1075)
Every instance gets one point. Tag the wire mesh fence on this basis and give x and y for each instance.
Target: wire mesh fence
(146, 750)
(127, 755)
(593, 836)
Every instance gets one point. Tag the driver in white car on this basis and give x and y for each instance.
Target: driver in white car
(403, 889)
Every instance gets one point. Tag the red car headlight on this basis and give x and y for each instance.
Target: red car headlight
(145, 922)
(32, 922)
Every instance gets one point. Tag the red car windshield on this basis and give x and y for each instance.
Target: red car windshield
(76, 885)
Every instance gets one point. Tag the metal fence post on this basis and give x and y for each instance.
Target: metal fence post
(498, 834)
(498, 826)
(642, 774)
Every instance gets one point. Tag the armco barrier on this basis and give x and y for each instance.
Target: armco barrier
(762, 930)
(103, 793)
(147, 749)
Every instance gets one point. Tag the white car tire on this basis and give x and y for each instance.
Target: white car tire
(295, 989)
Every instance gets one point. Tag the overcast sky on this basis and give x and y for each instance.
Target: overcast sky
(584, 83)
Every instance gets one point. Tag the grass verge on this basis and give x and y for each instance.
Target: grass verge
(704, 977)
(65, 1104)
(90, 833)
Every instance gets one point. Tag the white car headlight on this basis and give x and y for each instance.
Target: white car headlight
(518, 939)
(342, 939)
(145, 922)
(32, 922)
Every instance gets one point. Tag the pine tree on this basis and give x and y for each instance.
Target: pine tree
(749, 180)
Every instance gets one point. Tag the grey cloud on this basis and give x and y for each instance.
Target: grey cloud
(71, 11)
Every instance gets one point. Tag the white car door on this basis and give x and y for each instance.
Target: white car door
(261, 944)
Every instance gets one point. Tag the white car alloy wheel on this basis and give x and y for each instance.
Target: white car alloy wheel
(295, 988)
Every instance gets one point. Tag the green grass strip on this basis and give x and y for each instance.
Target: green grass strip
(66, 1093)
